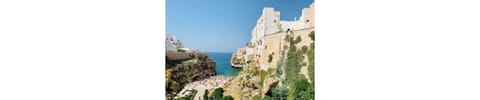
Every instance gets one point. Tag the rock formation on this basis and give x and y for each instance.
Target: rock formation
(184, 65)
(183, 68)
(238, 58)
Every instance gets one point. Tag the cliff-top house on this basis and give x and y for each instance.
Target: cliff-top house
(172, 44)
(270, 23)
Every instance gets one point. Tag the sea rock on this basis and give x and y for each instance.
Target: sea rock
(238, 58)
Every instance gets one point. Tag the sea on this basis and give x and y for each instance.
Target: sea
(223, 68)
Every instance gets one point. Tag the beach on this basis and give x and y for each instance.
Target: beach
(205, 84)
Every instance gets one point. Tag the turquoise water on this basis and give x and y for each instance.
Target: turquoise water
(223, 64)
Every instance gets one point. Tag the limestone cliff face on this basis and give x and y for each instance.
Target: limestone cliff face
(262, 73)
(238, 58)
(183, 68)
(250, 82)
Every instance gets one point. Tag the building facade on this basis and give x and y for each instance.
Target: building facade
(269, 23)
(172, 43)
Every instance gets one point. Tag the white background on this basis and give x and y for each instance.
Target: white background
(113, 50)
(82, 49)
(398, 50)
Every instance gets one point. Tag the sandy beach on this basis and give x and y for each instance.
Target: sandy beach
(205, 84)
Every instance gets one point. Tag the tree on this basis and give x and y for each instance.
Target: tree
(217, 94)
(268, 98)
(205, 96)
(270, 57)
(303, 90)
(297, 40)
(302, 85)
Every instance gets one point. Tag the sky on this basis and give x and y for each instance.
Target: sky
(222, 25)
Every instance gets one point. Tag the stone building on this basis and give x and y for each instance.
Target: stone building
(269, 23)
(305, 21)
(172, 43)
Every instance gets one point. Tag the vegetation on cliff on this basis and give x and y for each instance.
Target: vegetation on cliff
(292, 78)
(216, 95)
(297, 86)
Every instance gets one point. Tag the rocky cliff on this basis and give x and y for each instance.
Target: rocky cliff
(183, 68)
(238, 58)
(283, 70)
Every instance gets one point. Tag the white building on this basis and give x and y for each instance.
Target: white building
(172, 43)
(285, 25)
(302, 23)
(269, 23)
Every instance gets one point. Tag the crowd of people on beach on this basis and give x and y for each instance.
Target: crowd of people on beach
(205, 84)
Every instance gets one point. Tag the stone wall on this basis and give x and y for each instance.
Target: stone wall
(269, 23)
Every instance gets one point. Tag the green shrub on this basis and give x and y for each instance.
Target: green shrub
(304, 49)
(297, 40)
(180, 50)
(263, 75)
(312, 35)
(304, 90)
(271, 71)
(187, 98)
(301, 85)
(291, 66)
(278, 92)
(298, 86)
(311, 62)
(205, 96)
(270, 57)
(256, 97)
(268, 98)
(227, 98)
(217, 94)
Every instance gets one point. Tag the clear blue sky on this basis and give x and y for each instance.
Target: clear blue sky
(222, 25)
